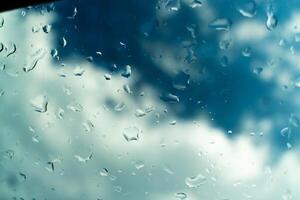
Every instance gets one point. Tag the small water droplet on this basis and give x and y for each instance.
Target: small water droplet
(118, 188)
(131, 134)
(8, 154)
(170, 98)
(224, 61)
(180, 195)
(221, 24)
(285, 132)
(297, 82)
(75, 107)
(78, 71)
(63, 41)
(139, 164)
(88, 126)
(127, 89)
(139, 113)
(60, 113)
(181, 81)
(74, 14)
(294, 120)
(103, 172)
(82, 159)
(247, 52)
(195, 181)
(196, 3)
(172, 5)
(107, 76)
(23, 176)
(257, 70)
(173, 122)
(1, 21)
(120, 106)
(39, 103)
(224, 44)
(289, 145)
(247, 8)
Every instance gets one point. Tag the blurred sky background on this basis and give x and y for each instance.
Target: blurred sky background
(158, 100)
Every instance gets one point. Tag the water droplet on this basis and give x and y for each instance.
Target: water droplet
(297, 82)
(247, 52)
(54, 53)
(222, 24)
(195, 4)
(75, 107)
(173, 122)
(78, 71)
(139, 164)
(120, 106)
(195, 181)
(127, 71)
(63, 41)
(131, 134)
(8, 154)
(180, 195)
(2, 92)
(181, 81)
(88, 126)
(139, 113)
(60, 113)
(107, 76)
(47, 28)
(272, 20)
(172, 5)
(103, 172)
(127, 89)
(35, 29)
(224, 61)
(285, 132)
(247, 8)
(257, 70)
(23, 176)
(294, 120)
(1, 21)
(118, 188)
(170, 98)
(36, 57)
(11, 49)
(74, 14)
(39, 103)
(224, 44)
(289, 145)
(82, 159)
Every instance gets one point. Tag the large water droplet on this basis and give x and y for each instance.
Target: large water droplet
(196, 3)
(139, 164)
(272, 20)
(12, 48)
(39, 103)
(195, 181)
(36, 57)
(222, 24)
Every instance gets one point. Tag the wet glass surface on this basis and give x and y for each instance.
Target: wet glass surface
(158, 99)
